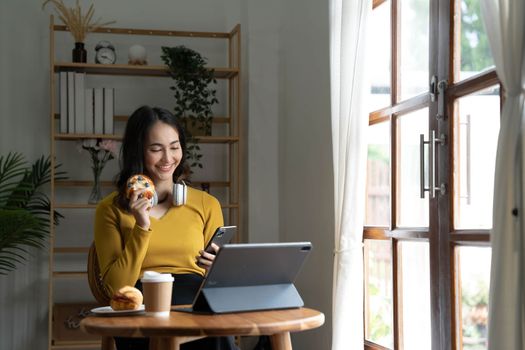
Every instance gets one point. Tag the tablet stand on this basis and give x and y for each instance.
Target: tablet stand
(247, 298)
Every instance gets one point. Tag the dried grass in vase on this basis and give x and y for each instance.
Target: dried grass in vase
(78, 24)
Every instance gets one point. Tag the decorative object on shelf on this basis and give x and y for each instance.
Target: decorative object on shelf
(101, 151)
(79, 53)
(105, 53)
(193, 95)
(137, 55)
(78, 23)
(24, 208)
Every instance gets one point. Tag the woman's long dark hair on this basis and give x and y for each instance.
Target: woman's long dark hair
(132, 151)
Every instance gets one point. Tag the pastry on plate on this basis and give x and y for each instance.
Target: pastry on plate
(126, 298)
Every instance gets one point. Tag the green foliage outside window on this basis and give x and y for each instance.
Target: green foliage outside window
(378, 152)
(475, 300)
(475, 49)
(380, 324)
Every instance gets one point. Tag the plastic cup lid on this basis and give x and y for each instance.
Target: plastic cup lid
(152, 276)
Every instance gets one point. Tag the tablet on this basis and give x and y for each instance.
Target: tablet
(257, 276)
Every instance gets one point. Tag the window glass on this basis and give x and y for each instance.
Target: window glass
(378, 292)
(379, 57)
(378, 176)
(414, 23)
(479, 116)
(474, 281)
(412, 209)
(415, 295)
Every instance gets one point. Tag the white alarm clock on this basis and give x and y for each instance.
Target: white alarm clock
(105, 53)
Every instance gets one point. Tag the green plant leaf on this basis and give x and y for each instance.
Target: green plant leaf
(24, 208)
(194, 97)
(17, 229)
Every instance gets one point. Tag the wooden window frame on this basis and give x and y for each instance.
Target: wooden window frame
(441, 235)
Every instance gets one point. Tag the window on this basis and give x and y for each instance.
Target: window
(378, 291)
(434, 115)
(473, 280)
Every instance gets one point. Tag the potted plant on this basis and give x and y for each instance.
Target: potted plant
(24, 208)
(78, 23)
(194, 97)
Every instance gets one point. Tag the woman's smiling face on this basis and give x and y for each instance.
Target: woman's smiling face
(162, 152)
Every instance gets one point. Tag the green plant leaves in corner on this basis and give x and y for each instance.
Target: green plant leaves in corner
(14, 238)
(24, 208)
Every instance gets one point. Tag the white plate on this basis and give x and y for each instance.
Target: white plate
(108, 311)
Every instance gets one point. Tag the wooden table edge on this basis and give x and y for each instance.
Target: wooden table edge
(272, 323)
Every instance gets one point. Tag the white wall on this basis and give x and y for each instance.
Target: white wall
(288, 171)
(24, 121)
(262, 30)
(305, 163)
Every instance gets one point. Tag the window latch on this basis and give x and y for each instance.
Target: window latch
(433, 88)
(441, 87)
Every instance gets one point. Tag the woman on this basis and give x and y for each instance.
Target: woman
(131, 237)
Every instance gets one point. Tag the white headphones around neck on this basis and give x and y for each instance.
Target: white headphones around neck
(180, 193)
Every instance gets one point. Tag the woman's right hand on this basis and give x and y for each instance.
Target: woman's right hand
(140, 206)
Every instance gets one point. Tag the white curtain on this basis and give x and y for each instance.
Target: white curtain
(505, 26)
(348, 22)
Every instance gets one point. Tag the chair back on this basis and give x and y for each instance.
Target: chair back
(94, 279)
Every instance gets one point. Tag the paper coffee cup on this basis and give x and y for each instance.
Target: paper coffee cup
(157, 288)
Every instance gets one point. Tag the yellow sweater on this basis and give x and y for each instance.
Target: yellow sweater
(171, 244)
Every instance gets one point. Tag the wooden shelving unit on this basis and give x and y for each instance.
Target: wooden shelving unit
(125, 69)
(200, 139)
(232, 141)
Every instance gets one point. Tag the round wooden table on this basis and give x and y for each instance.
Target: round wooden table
(182, 327)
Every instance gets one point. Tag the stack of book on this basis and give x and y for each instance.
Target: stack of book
(85, 110)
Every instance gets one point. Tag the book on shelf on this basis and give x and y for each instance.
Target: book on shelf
(80, 121)
(63, 103)
(88, 103)
(71, 102)
(98, 110)
(109, 110)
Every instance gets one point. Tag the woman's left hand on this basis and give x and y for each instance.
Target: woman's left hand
(205, 259)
